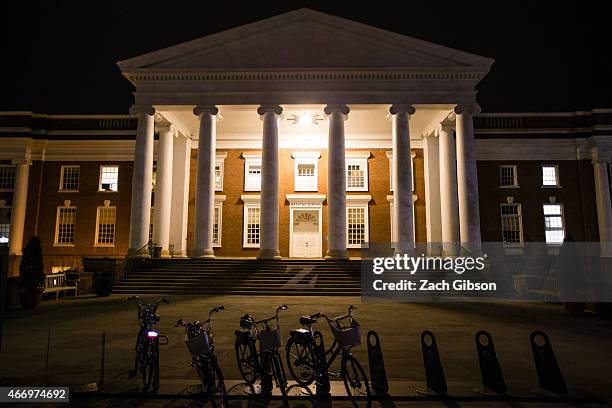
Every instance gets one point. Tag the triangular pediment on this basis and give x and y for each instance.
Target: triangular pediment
(306, 39)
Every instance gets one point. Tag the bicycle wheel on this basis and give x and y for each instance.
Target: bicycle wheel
(147, 368)
(301, 360)
(355, 380)
(216, 386)
(155, 359)
(246, 359)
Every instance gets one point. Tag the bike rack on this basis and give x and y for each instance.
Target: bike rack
(549, 374)
(323, 386)
(378, 373)
(490, 370)
(434, 373)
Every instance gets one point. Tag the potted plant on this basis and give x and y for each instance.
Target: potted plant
(31, 274)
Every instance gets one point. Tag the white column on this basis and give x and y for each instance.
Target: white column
(205, 182)
(336, 182)
(448, 188)
(140, 215)
(604, 207)
(402, 176)
(180, 195)
(432, 191)
(18, 210)
(163, 188)
(467, 181)
(269, 182)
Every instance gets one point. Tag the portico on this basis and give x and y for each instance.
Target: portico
(392, 92)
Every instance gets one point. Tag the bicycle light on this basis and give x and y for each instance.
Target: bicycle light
(152, 334)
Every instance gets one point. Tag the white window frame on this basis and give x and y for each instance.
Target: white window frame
(391, 181)
(360, 159)
(8, 190)
(562, 229)
(220, 163)
(219, 199)
(300, 158)
(7, 208)
(514, 173)
(250, 201)
(391, 201)
(105, 244)
(251, 160)
(57, 224)
(62, 176)
(520, 224)
(359, 201)
(558, 182)
(153, 178)
(102, 166)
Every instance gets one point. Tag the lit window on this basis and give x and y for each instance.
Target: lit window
(391, 181)
(105, 226)
(357, 171)
(7, 177)
(306, 171)
(65, 226)
(508, 176)
(512, 233)
(251, 227)
(550, 175)
(109, 178)
(154, 179)
(5, 222)
(69, 179)
(356, 226)
(219, 170)
(217, 227)
(60, 269)
(5, 229)
(553, 223)
(252, 173)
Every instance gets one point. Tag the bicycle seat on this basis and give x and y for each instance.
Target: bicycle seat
(307, 320)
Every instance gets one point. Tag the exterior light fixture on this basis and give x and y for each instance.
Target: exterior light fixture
(305, 118)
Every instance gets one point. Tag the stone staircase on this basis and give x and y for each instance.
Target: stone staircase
(243, 277)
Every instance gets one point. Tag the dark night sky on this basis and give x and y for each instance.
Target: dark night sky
(59, 56)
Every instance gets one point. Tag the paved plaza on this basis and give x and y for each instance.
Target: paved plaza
(581, 342)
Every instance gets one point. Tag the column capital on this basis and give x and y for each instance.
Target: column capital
(467, 108)
(329, 109)
(265, 108)
(212, 109)
(448, 123)
(17, 162)
(166, 127)
(138, 109)
(402, 108)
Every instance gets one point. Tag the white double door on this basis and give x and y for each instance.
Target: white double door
(306, 233)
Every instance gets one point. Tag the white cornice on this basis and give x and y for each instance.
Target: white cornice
(358, 198)
(219, 198)
(305, 198)
(250, 198)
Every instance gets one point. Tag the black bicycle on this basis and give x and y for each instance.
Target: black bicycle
(305, 364)
(199, 342)
(146, 359)
(267, 363)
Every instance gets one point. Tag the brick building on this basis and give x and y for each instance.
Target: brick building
(279, 138)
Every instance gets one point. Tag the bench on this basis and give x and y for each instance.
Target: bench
(56, 283)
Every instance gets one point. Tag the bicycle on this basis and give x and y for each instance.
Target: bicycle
(146, 359)
(305, 364)
(267, 363)
(199, 342)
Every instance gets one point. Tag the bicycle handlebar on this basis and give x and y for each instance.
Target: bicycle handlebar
(349, 314)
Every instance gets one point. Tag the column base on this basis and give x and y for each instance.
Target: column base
(269, 254)
(470, 249)
(178, 254)
(404, 251)
(203, 253)
(138, 252)
(336, 254)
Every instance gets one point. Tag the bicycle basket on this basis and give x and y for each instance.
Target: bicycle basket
(347, 336)
(202, 343)
(269, 340)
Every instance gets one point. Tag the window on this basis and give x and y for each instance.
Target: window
(69, 179)
(508, 176)
(7, 177)
(391, 181)
(154, 178)
(554, 228)
(219, 168)
(251, 228)
(65, 226)
(5, 222)
(357, 229)
(550, 176)
(60, 269)
(105, 225)
(252, 173)
(306, 174)
(109, 178)
(217, 227)
(151, 218)
(357, 171)
(512, 231)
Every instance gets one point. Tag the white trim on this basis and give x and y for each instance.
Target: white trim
(360, 159)
(57, 217)
(250, 160)
(302, 157)
(105, 245)
(389, 154)
(562, 216)
(305, 202)
(100, 179)
(220, 161)
(557, 176)
(519, 214)
(219, 200)
(360, 201)
(514, 175)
